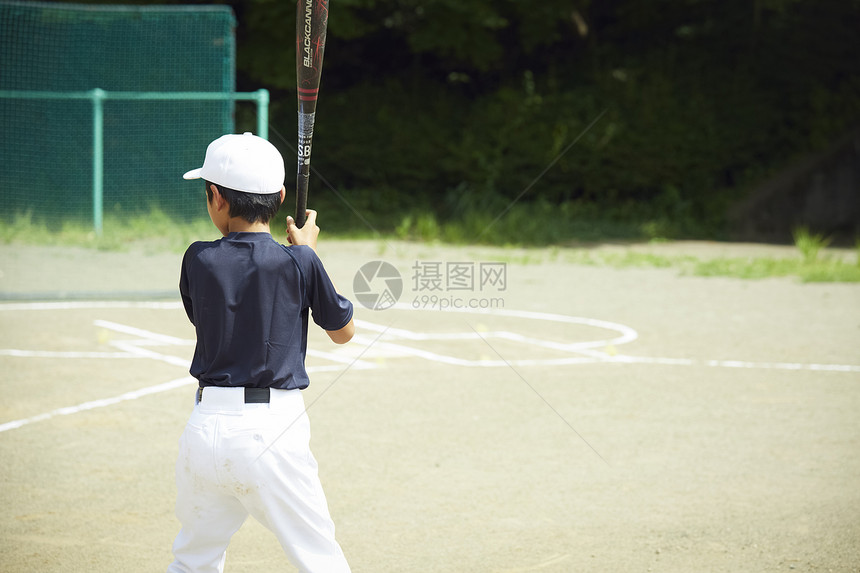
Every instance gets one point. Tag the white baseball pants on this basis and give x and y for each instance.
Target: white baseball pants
(238, 459)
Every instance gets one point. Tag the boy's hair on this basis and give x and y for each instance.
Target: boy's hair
(252, 207)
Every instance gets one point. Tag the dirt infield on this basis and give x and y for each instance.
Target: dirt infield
(586, 419)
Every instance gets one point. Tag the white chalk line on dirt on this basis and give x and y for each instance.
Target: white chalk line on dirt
(132, 348)
(627, 359)
(390, 349)
(627, 334)
(739, 364)
(147, 335)
(584, 350)
(133, 395)
(554, 560)
(387, 349)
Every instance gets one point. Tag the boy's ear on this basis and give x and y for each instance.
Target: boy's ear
(217, 199)
(283, 193)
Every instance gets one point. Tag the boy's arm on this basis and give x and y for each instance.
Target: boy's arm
(184, 289)
(307, 235)
(343, 335)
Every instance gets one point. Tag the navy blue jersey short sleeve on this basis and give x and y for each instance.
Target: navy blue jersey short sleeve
(184, 289)
(330, 310)
(248, 298)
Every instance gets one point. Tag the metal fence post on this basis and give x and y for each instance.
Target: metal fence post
(263, 113)
(98, 96)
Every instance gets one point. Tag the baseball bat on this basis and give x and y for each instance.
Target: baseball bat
(311, 24)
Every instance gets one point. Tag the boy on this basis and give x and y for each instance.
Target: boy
(245, 448)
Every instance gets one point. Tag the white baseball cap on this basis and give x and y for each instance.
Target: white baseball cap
(242, 162)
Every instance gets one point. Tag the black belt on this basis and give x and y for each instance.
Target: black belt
(252, 395)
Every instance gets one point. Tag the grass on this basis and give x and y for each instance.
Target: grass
(487, 219)
(809, 266)
(803, 267)
(535, 224)
(809, 244)
(154, 232)
(157, 232)
(828, 270)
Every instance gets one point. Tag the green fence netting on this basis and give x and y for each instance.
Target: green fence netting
(52, 57)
